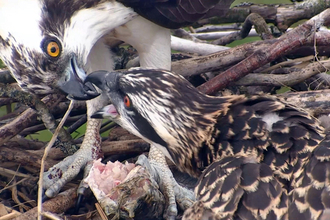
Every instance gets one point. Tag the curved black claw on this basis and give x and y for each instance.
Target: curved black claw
(78, 203)
(44, 197)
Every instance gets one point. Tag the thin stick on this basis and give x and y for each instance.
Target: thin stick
(47, 149)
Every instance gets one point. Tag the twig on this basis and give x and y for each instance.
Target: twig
(59, 204)
(32, 203)
(82, 120)
(253, 19)
(47, 149)
(181, 33)
(255, 79)
(14, 185)
(189, 46)
(23, 157)
(233, 35)
(213, 28)
(289, 63)
(14, 196)
(51, 216)
(8, 172)
(100, 211)
(11, 215)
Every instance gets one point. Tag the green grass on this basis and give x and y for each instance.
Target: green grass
(283, 89)
(3, 111)
(44, 135)
(243, 41)
(1, 64)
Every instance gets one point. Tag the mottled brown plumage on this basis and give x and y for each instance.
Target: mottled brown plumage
(174, 13)
(256, 158)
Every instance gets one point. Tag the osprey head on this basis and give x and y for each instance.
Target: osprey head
(47, 43)
(159, 106)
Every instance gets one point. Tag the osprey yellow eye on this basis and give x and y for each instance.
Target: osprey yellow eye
(127, 101)
(53, 49)
(51, 46)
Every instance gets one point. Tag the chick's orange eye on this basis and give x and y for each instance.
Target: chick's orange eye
(127, 102)
(53, 49)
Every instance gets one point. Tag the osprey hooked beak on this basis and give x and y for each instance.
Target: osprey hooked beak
(74, 85)
(103, 80)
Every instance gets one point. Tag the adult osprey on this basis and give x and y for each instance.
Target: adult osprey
(51, 44)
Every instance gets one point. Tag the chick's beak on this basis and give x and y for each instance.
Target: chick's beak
(108, 111)
(74, 85)
(106, 81)
(98, 78)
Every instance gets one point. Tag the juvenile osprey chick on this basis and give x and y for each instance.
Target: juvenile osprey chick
(256, 158)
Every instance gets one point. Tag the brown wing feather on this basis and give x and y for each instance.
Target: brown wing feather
(311, 194)
(289, 154)
(174, 13)
(239, 188)
(286, 146)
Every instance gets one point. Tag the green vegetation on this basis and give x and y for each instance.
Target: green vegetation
(3, 111)
(283, 89)
(1, 64)
(44, 135)
(243, 41)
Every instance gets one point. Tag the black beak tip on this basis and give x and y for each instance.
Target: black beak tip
(97, 78)
(79, 91)
(97, 115)
(83, 97)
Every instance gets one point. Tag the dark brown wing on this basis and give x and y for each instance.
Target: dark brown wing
(285, 147)
(174, 13)
(289, 155)
(238, 188)
(311, 196)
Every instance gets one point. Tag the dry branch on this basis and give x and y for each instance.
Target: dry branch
(27, 118)
(316, 102)
(283, 16)
(188, 46)
(59, 204)
(227, 58)
(293, 39)
(124, 147)
(290, 79)
(23, 157)
(253, 19)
